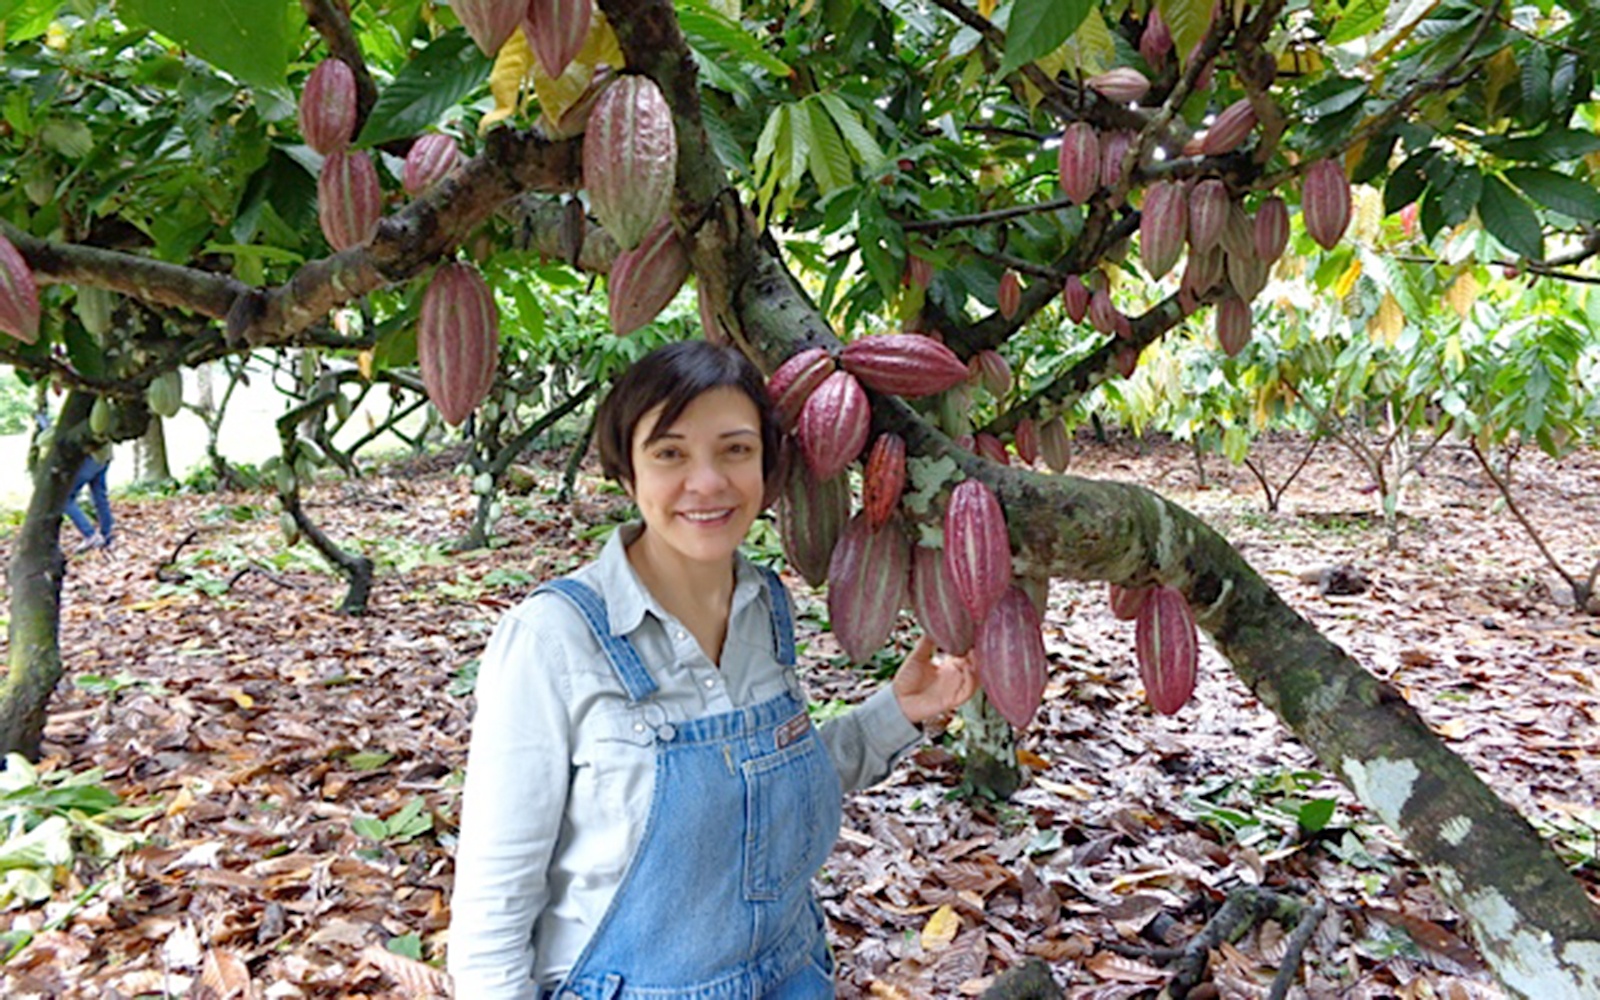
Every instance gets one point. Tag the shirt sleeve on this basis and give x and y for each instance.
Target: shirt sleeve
(865, 742)
(515, 795)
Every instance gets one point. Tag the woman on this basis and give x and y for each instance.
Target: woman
(646, 799)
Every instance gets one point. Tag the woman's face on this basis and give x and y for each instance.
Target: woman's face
(699, 485)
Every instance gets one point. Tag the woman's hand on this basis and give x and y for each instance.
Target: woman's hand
(927, 689)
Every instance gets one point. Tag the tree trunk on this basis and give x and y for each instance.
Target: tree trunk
(33, 655)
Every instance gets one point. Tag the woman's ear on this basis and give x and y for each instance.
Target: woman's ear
(776, 482)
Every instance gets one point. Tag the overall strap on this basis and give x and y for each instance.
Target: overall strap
(782, 619)
(625, 661)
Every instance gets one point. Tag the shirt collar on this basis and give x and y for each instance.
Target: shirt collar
(627, 599)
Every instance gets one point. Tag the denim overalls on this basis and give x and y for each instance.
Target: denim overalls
(716, 903)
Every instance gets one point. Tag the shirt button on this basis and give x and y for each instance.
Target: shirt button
(682, 635)
(638, 727)
(711, 682)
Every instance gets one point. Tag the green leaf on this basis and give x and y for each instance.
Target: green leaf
(712, 32)
(1457, 199)
(369, 827)
(369, 760)
(246, 38)
(1360, 17)
(1407, 181)
(1535, 85)
(1313, 817)
(866, 149)
(830, 161)
(1566, 195)
(1556, 145)
(799, 148)
(1038, 27)
(1510, 220)
(430, 85)
(407, 945)
(1188, 21)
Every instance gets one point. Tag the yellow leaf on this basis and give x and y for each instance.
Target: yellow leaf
(600, 48)
(986, 8)
(1090, 50)
(511, 67)
(1463, 292)
(1502, 69)
(239, 697)
(1386, 324)
(1347, 280)
(940, 929)
(364, 364)
(1367, 214)
(1027, 758)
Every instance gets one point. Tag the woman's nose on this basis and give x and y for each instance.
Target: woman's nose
(706, 476)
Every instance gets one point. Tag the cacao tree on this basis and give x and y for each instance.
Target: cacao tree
(867, 181)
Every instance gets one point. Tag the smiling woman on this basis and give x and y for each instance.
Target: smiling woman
(646, 797)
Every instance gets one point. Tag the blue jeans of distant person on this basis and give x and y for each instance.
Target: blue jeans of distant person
(92, 473)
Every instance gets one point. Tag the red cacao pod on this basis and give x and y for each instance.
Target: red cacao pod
(1008, 653)
(1208, 213)
(1078, 162)
(936, 603)
(556, 31)
(884, 479)
(349, 200)
(833, 424)
(906, 364)
(1123, 85)
(1055, 447)
(1009, 295)
(1233, 324)
(458, 340)
(1271, 230)
(994, 371)
(1125, 360)
(630, 159)
(1247, 275)
(793, 382)
(1155, 41)
(643, 280)
(490, 22)
(1026, 437)
(430, 160)
(919, 272)
(1325, 202)
(1127, 601)
(977, 548)
(1113, 148)
(811, 516)
(19, 295)
(1168, 650)
(868, 579)
(328, 107)
(1231, 128)
(990, 447)
(1239, 232)
(1075, 298)
(1202, 272)
(1102, 314)
(1163, 222)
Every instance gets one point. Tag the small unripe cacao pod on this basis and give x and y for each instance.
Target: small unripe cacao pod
(490, 22)
(1026, 436)
(1075, 298)
(1167, 648)
(1009, 295)
(1239, 232)
(1055, 447)
(164, 394)
(458, 340)
(1123, 85)
(1163, 222)
(1248, 275)
(102, 415)
(833, 424)
(430, 160)
(884, 479)
(645, 279)
(556, 31)
(994, 371)
(1233, 324)
(1230, 128)
(328, 107)
(1126, 601)
(19, 295)
(1155, 41)
(793, 382)
(1271, 230)
(977, 548)
(1078, 162)
(1125, 360)
(1113, 147)
(990, 447)
(1202, 272)
(868, 579)
(95, 307)
(349, 200)
(1325, 202)
(630, 159)
(919, 273)
(936, 603)
(1102, 313)
(1208, 213)
(1008, 653)
(811, 516)
(906, 364)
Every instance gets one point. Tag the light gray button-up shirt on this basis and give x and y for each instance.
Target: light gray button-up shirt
(561, 769)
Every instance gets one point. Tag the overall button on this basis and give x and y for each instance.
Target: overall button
(666, 732)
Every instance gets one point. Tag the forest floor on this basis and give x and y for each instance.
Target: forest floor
(302, 769)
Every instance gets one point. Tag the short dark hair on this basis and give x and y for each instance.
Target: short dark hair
(672, 376)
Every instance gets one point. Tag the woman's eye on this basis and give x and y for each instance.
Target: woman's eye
(741, 449)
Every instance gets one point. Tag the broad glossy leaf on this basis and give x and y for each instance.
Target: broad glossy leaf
(1038, 27)
(430, 85)
(246, 38)
(1510, 220)
(714, 34)
(1361, 17)
(1565, 194)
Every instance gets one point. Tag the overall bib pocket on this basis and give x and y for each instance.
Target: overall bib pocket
(792, 821)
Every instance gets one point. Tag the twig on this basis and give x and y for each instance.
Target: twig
(254, 568)
(162, 573)
(1580, 591)
(1309, 919)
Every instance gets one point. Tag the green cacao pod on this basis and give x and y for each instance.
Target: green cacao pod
(94, 307)
(164, 394)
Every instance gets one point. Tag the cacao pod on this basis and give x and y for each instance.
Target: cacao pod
(1233, 324)
(164, 394)
(1247, 275)
(19, 295)
(1155, 41)
(1009, 295)
(990, 447)
(1271, 230)
(936, 604)
(1078, 162)
(966, 442)
(1202, 271)
(1167, 648)
(919, 273)
(1125, 360)
(95, 307)
(710, 326)
(349, 200)
(1075, 298)
(1008, 654)
(811, 517)
(868, 579)
(906, 364)
(1325, 202)
(458, 340)
(1055, 447)
(994, 371)
(1239, 232)
(1127, 601)
(977, 549)
(430, 160)
(793, 382)
(328, 107)
(490, 22)
(556, 31)
(1123, 85)
(1163, 221)
(1232, 127)
(630, 159)
(643, 280)
(1208, 213)
(955, 412)
(1123, 326)
(102, 416)
(833, 424)
(1113, 148)
(884, 479)
(1026, 437)
(1102, 314)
